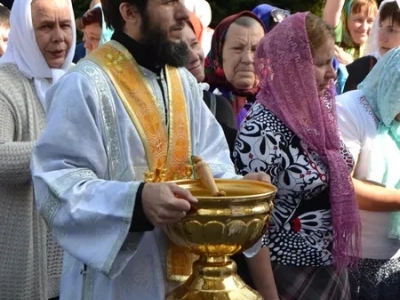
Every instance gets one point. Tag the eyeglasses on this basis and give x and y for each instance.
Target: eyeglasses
(279, 14)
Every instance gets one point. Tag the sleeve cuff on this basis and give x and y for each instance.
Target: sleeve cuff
(139, 219)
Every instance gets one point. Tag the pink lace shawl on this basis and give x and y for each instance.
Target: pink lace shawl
(288, 89)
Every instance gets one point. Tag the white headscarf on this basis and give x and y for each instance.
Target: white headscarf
(372, 46)
(23, 50)
(106, 32)
(202, 10)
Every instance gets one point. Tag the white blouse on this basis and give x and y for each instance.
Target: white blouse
(358, 125)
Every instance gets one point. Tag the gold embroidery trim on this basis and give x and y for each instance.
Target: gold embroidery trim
(168, 158)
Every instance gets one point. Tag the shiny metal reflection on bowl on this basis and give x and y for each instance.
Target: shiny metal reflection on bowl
(217, 228)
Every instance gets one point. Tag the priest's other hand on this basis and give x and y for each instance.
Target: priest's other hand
(165, 203)
(258, 176)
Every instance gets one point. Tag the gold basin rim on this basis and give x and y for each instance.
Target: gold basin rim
(196, 183)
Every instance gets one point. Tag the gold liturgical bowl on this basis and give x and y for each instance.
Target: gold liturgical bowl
(217, 228)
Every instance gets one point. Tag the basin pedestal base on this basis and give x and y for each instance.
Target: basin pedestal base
(214, 278)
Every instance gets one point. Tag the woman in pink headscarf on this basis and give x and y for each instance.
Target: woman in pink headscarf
(291, 134)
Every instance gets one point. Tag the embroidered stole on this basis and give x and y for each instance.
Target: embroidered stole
(167, 153)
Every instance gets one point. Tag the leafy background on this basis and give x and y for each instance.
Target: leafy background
(223, 8)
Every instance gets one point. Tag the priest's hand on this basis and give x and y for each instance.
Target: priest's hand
(166, 203)
(258, 176)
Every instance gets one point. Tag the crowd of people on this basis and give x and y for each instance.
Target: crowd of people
(92, 133)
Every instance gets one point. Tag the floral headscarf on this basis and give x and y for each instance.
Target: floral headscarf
(284, 64)
(214, 71)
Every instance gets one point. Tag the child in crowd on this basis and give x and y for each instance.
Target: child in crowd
(4, 28)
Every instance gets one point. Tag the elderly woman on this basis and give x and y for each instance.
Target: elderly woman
(369, 120)
(291, 134)
(40, 50)
(219, 106)
(230, 64)
(384, 35)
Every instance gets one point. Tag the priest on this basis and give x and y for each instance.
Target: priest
(120, 125)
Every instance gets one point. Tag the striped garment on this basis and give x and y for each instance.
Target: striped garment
(311, 283)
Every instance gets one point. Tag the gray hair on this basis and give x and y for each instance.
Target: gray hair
(247, 22)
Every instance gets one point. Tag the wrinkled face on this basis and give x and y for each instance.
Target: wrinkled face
(4, 31)
(51, 21)
(359, 25)
(162, 25)
(238, 55)
(196, 62)
(91, 37)
(389, 35)
(323, 68)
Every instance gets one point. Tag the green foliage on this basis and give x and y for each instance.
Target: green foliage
(221, 9)
(80, 6)
(224, 8)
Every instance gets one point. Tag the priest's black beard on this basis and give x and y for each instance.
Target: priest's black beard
(175, 54)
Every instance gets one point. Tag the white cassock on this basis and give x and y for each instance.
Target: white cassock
(87, 167)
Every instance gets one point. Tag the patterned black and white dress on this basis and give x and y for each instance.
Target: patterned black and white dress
(300, 233)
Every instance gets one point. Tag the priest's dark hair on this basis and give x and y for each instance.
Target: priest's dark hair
(112, 15)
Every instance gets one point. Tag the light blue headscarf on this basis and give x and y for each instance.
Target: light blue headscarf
(382, 90)
(106, 32)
